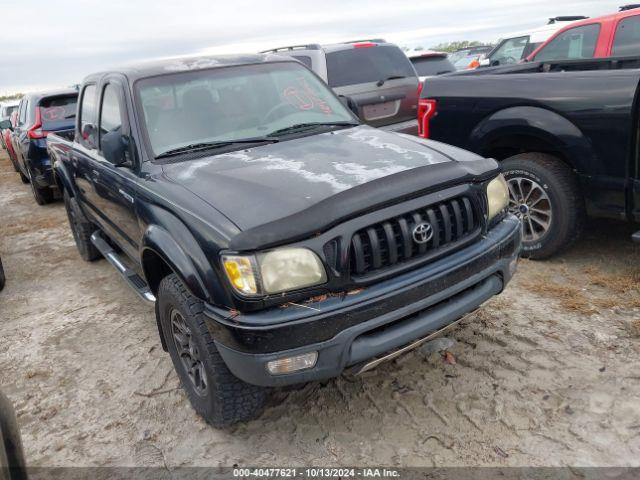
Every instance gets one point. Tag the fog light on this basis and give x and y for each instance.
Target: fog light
(292, 364)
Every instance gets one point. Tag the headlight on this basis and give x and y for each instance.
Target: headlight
(497, 196)
(274, 271)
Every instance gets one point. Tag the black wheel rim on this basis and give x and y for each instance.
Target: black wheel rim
(188, 352)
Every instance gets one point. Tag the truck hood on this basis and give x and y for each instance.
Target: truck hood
(261, 185)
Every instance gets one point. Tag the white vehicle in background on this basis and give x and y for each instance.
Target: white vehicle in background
(517, 46)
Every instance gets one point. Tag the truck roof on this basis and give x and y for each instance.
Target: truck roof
(184, 64)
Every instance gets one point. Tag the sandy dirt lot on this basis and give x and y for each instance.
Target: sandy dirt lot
(546, 374)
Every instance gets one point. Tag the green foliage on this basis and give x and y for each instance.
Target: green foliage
(451, 47)
(14, 96)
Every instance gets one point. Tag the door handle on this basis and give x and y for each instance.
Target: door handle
(95, 173)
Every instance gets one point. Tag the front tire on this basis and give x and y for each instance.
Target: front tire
(544, 193)
(214, 392)
(81, 228)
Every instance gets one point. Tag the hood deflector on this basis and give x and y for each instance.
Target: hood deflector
(367, 197)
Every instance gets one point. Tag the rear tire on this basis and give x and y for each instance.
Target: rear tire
(214, 392)
(14, 162)
(42, 195)
(545, 194)
(81, 228)
(23, 177)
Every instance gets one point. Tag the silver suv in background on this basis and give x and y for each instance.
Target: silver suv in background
(375, 77)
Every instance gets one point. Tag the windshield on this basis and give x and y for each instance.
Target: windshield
(512, 50)
(573, 44)
(234, 103)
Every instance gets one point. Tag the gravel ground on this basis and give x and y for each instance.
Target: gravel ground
(544, 375)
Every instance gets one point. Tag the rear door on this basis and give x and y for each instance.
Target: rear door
(379, 78)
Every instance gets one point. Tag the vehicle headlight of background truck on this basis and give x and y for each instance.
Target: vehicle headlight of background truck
(275, 271)
(497, 196)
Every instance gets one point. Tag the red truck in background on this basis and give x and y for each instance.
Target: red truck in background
(616, 35)
(6, 136)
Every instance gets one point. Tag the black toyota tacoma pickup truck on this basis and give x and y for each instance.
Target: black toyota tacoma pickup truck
(281, 241)
(565, 132)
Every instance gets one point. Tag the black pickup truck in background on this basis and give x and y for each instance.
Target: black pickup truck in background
(566, 134)
(280, 240)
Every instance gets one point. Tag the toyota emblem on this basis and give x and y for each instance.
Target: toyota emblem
(422, 233)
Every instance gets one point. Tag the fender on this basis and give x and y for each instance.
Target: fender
(166, 236)
(62, 175)
(541, 124)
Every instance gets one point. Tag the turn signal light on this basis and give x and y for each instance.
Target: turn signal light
(292, 364)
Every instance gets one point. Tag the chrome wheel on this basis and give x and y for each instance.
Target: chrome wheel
(188, 352)
(529, 202)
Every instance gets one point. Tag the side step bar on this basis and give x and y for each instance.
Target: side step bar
(636, 237)
(132, 278)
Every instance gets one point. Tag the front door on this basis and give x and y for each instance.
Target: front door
(114, 187)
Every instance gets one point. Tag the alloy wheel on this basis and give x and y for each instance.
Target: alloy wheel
(531, 204)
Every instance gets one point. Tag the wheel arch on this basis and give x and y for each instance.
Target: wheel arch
(528, 129)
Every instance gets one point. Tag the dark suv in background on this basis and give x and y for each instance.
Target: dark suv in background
(38, 115)
(376, 77)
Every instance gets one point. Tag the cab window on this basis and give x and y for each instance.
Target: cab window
(110, 111)
(88, 117)
(627, 39)
(574, 44)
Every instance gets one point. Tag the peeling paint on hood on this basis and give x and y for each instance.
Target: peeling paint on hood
(268, 182)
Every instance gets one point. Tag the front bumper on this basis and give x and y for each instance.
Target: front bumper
(346, 331)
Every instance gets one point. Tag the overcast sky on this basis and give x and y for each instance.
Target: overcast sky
(47, 44)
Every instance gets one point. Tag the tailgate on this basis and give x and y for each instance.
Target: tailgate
(395, 101)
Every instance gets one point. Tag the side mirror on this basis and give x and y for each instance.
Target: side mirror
(5, 124)
(495, 63)
(350, 103)
(114, 147)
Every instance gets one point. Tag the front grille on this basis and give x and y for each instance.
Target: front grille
(391, 242)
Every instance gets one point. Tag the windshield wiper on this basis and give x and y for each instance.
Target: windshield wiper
(303, 126)
(196, 147)
(392, 77)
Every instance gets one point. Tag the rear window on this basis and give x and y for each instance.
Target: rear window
(431, 66)
(627, 40)
(363, 65)
(57, 112)
(574, 44)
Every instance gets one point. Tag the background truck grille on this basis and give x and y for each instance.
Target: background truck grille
(391, 242)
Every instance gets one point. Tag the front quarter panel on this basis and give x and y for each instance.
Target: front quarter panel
(189, 246)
